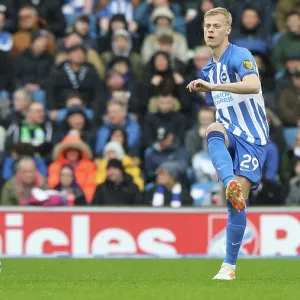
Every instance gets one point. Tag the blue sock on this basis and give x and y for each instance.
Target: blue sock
(220, 156)
(235, 229)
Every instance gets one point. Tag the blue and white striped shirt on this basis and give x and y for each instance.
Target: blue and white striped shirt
(243, 115)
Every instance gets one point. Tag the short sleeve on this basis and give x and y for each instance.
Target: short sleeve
(243, 63)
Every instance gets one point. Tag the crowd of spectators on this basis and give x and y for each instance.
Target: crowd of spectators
(94, 108)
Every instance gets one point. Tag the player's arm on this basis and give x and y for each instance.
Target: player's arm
(249, 85)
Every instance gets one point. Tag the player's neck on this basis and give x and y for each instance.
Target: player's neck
(218, 52)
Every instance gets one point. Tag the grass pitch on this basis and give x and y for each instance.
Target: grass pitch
(70, 279)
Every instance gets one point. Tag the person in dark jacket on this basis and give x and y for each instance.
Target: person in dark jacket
(75, 75)
(69, 187)
(33, 65)
(168, 190)
(164, 150)
(6, 73)
(9, 8)
(118, 189)
(167, 117)
(50, 13)
(34, 129)
(77, 120)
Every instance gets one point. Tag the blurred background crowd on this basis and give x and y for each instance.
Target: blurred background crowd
(94, 108)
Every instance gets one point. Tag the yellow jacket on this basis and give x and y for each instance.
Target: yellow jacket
(130, 166)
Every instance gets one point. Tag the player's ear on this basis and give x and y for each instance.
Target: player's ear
(228, 31)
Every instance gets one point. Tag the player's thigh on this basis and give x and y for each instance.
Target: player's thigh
(218, 127)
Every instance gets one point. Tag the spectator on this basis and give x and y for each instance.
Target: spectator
(202, 56)
(272, 161)
(18, 189)
(283, 9)
(118, 188)
(82, 27)
(266, 76)
(35, 129)
(164, 150)
(291, 38)
(195, 22)
(251, 34)
(28, 23)
(50, 13)
(162, 79)
(121, 46)
(19, 151)
(162, 18)
(168, 190)
(21, 102)
(114, 150)
(145, 10)
(32, 66)
(73, 99)
(77, 120)
(9, 9)
(6, 41)
(195, 139)
(75, 75)
(6, 75)
(117, 116)
(293, 197)
(75, 6)
(166, 116)
(113, 7)
(73, 39)
(288, 160)
(73, 151)
(69, 187)
(289, 106)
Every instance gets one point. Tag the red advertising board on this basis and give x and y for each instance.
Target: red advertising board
(160, 232)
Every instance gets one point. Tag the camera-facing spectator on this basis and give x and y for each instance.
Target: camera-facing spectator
(33, 65)
(289, 105)
(195, 138)
(50, 14)
(21, 101)
(82, 27)
(291, 38)
(28, 23)
(6, 41)
(69, 187)
(121, 46)
(114, 150)
(76, 119)
(117, 115)
(118, 188)
(251, 34)
(72, 39)
(17, 190)
(164, 114)
(164, 150)
(293, 197)
(144, 11)
(35, 129)
(168, 189)
(75, 75)
(284, 8)
(163, 18)
(162, 78)
(19, 151)
(73, 151)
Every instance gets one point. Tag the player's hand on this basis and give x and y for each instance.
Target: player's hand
(200, 85)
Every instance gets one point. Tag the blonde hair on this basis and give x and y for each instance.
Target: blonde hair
(220, 11)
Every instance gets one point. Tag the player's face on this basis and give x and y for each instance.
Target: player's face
(216, 30)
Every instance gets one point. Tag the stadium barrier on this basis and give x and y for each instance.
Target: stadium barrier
(143, 232)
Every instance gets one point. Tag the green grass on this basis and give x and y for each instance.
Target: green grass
(67, 279)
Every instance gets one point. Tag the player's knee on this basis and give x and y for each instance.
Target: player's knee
(215, 127)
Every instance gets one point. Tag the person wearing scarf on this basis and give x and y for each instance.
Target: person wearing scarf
(168, 190)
